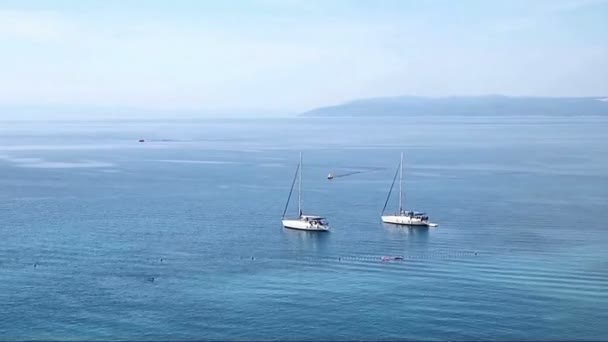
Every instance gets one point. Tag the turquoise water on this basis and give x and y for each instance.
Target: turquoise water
(180, 237)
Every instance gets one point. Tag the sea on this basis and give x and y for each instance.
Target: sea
(179, 237)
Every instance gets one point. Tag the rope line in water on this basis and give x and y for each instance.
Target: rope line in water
(368, 258)
(336, 258)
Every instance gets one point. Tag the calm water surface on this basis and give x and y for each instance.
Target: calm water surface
(180, 237)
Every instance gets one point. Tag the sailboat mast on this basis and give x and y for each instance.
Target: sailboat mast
(300, 189)
(390, 191)
(293, 182)
(400, 186)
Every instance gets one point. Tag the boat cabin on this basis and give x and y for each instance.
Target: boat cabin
(314, 219)
(415, 214)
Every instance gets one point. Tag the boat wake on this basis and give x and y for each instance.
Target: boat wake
(352, 173)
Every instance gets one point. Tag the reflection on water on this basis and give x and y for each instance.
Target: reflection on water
(414, 233)
(83, 245)
(306, 240)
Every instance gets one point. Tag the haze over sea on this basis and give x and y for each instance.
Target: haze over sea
(180, 237)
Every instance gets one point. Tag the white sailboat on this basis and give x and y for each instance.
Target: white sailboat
(403, 217)
(303, 222)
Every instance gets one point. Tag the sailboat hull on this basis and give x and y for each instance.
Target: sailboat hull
(304, 225)
(405, 220)
(303, 222)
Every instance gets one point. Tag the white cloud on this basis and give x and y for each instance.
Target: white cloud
(154, 65)
(41, 26)
(303, 58)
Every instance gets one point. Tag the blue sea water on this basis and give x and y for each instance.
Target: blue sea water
(179, 237)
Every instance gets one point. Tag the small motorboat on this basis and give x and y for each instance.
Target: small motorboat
(330, 176)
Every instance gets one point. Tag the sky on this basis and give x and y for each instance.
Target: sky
(289, 56)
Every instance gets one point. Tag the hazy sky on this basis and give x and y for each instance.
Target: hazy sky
(293, 55)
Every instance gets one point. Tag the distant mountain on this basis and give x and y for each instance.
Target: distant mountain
(466, 105)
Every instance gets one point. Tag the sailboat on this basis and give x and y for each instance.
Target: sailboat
(302, 222)
(403, 217)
